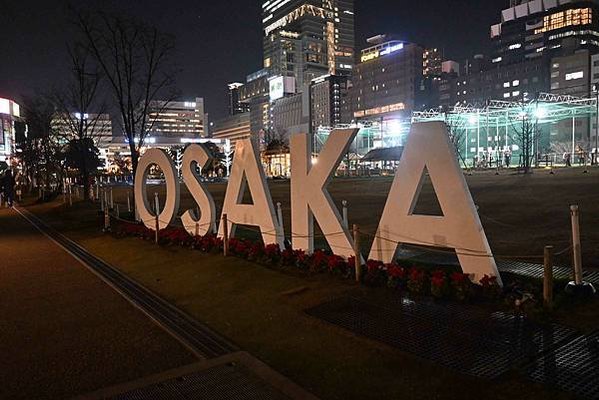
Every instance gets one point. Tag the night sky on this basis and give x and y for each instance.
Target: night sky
(221, 41)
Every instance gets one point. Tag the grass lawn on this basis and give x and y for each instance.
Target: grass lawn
(252, 305)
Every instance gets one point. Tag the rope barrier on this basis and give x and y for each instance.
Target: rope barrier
(409, 241)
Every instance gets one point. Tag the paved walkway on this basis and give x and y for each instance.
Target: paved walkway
(63, 331)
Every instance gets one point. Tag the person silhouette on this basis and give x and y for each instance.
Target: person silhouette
(9, 187)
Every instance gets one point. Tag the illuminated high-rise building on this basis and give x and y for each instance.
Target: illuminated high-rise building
(545, 28)
(236, 106)
(386, 80)
(306, 39)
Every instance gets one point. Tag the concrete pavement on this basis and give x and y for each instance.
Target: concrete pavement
(63, 331)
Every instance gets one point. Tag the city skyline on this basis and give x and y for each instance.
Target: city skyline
(209, 59)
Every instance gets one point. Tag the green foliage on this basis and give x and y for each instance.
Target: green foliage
(82, 154)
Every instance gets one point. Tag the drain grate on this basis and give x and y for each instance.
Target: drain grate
(530, 270)
(198, 337)
(536, 271)
(461, 338)
(223, 382)
(573, 367)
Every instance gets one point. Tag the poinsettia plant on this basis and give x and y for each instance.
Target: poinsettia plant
(439, 285)
(461, 285)
(415, 280)
(396, 276)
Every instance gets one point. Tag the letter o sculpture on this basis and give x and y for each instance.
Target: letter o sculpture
(162, 159)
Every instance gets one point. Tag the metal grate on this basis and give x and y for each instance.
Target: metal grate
(573, 367)
(223, 382)
(461, 338)
(530, 270)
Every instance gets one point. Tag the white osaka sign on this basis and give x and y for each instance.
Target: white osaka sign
(428, 148)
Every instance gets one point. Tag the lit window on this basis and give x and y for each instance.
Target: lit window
(514, 46)
(516, 83)
(506, 84)
(516, 93)
(562, 19)
(574, 75)
(506, 95)
(555, 65)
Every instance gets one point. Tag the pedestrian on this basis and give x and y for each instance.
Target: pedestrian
(568, 159)
(9, 187)
(508, 157)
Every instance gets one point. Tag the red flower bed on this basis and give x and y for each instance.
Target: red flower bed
(414, 280)
(461, 285)
(417, 281)
(439, 286)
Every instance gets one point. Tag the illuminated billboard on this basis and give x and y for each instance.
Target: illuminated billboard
(4, 106)
(280, 86)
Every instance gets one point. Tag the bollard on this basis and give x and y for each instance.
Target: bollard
(118, 214)
(576, 249)
(578, 287)
(548, 277)
(97, 191)
(128, 203)
(225, 236)
(280, 218)
(345, 218)
(357, 255)
(157, 211)
(101, 197)
(111, 199)
(106, 220)
(70, 196)
(197, 233)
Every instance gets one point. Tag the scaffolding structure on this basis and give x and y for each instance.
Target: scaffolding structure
(562, 124)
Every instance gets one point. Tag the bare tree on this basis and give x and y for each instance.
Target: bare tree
(525, 127)
(457, 136)
(136, 60)
(80, 112)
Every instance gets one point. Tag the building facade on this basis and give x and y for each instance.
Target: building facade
(386, 79)
(306, 39)
(289, 115)
(177, 119)
(11, 127)
(236, 106)
(233, 127)
(328, 94)
(544, 29)
(99, 127)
